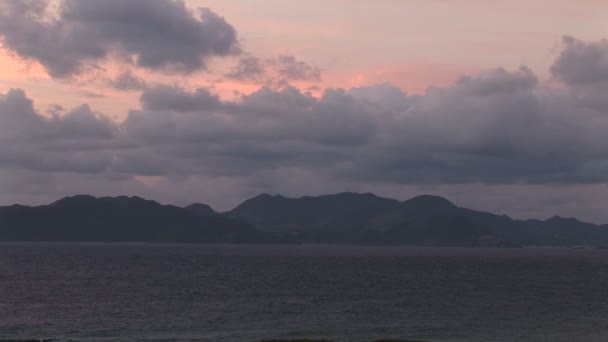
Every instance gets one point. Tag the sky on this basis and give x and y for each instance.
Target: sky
(498, 106)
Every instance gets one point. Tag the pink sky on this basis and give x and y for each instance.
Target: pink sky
(411, 44)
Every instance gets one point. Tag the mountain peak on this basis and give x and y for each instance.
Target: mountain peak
(430, 201)
(200, 209)
(267, 196)
(129, 200)
(356, 194)
(76, 199)
(559, 219)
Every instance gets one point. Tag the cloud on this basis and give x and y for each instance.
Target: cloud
(249, 68)
(583, 66)
(582, 63)
(76, 141)
(276, 72)
(496, 128)
(163, 97)
(127, 81)
(161, 35)
(292, 69)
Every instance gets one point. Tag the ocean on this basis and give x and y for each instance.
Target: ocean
(155, 292)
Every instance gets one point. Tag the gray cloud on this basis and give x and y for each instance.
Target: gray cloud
(153, 34)
(495, 130)
(127, 81)
(291, 69)
(495, 127)
(583, 66)
(78, 140)
(582, 63)
(276, 72)
(249, 68)
(163, 97)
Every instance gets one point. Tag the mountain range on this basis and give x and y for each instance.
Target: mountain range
(345, 218)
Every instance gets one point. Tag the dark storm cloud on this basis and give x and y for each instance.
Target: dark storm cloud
(153, 34)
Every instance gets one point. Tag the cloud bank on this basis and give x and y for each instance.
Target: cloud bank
(159, 35)
(497, 128)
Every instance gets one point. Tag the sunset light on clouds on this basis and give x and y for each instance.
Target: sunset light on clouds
(223, 99)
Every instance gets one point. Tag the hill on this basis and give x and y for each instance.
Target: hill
(351, 218)
(346, 218)
(121, 219)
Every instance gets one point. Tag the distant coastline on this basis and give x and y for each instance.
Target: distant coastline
(338, 219)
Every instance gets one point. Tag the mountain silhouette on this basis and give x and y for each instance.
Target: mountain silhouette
(351, 218)
(325, 219)
(121, 219)
(345, 218)
(201, 209)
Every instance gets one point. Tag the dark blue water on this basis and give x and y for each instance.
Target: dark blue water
(97, 292)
